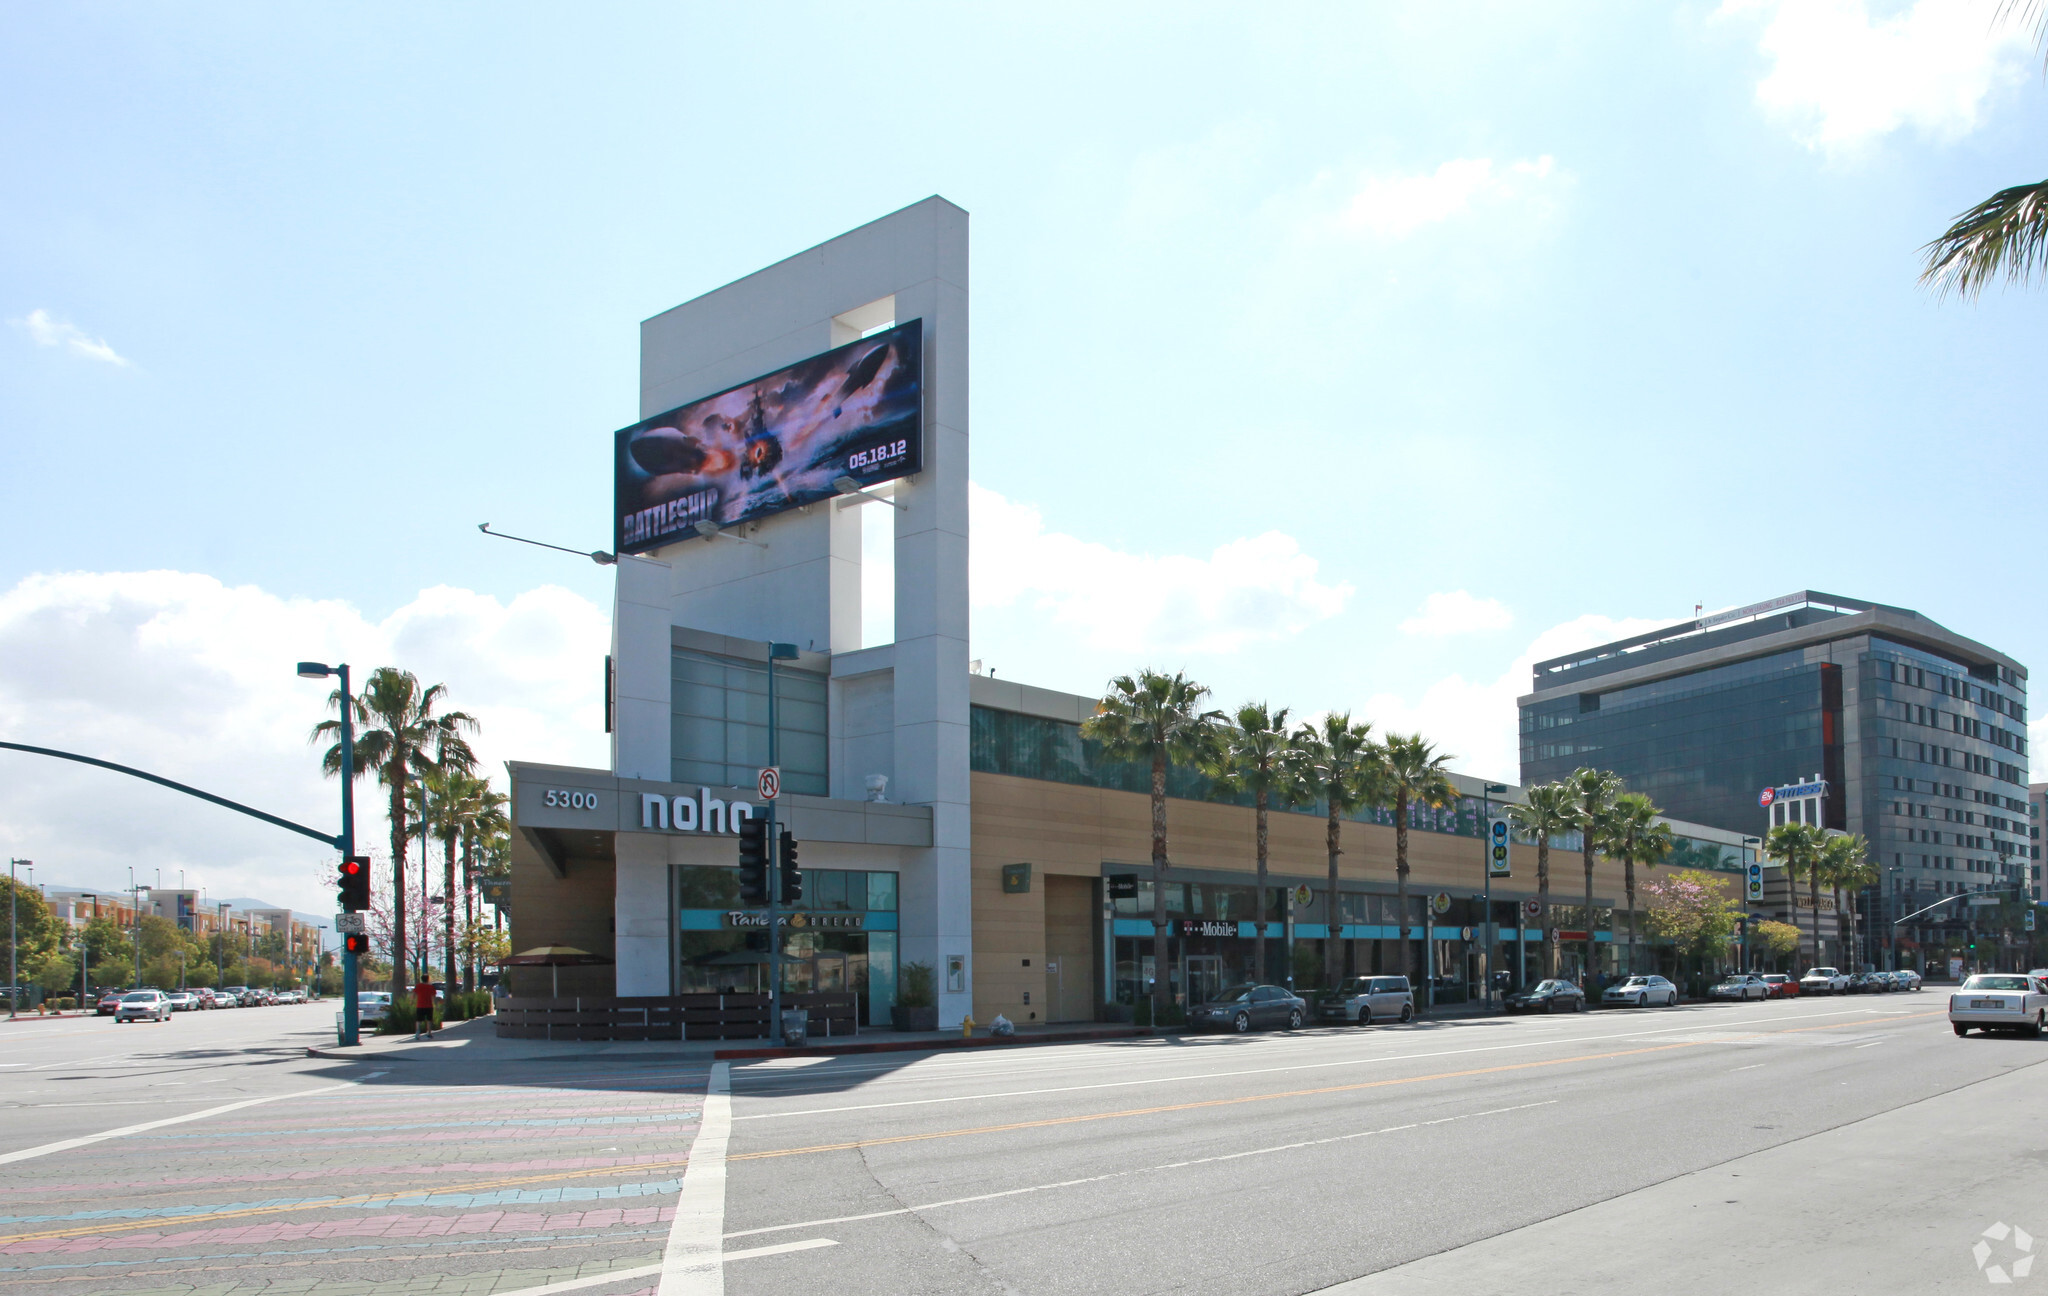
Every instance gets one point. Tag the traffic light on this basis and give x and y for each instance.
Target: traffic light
(354, 896)
(753, 861)
(356, 943)
(792, 875)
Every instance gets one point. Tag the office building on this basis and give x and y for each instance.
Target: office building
(1918, 733)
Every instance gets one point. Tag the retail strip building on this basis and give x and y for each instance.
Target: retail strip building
(946, 818)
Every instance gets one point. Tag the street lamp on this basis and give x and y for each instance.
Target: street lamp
(84, 954)
(14, 936)
(319, 670)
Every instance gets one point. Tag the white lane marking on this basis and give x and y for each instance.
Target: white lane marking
(67, 1144)
(691, 1264)
(1872, 1044)
(1249, 1071)
(1125, 1174)
(1751, 1067)
(648, 1271)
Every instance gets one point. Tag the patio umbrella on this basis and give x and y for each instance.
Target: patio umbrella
(555, 957)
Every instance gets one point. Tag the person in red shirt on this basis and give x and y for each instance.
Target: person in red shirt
(423, 1009)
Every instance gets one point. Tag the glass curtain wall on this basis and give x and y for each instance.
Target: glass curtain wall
(718, 726)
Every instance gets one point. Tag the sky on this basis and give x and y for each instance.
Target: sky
(1346, 357)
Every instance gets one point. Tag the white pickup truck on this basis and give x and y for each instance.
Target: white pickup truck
(1824, 980)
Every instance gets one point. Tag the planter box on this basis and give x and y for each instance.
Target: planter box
(914, 1019)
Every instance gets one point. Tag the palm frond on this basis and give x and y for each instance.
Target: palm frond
(2006, 236)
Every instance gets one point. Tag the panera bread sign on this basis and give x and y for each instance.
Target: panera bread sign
(818, 921)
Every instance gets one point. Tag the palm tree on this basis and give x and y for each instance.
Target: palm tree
(1592, 794)
(1156, 719)
(1411, 772)
(2006, 235)
(1845, 866)
(483, 821)
(1635, 836)
(1797, 846)
(400, 735)
(1256, 757)
(1547, 813)
(1334, 763)
(439, 800)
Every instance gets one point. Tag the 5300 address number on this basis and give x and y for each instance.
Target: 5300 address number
(568, 800)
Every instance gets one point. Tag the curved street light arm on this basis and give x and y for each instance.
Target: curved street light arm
(314, 833)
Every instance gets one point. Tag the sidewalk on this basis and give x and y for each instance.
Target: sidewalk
(477, 1041)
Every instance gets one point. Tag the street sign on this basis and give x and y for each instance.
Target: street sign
(1497, 859)
(770, 783)
(348, 922)
(1532, 908)
(1756, 883)
(1982, 901)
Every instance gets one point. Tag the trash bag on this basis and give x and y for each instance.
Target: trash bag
(1002, 1027)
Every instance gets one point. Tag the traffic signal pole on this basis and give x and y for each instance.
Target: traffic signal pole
(770, 841)
(351, 1020)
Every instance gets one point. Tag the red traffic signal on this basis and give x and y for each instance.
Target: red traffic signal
(356, 943)
(354, 895)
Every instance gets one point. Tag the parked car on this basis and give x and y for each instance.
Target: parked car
(371, 1005)
(1781, 986)
(1642, 992)
(1824, 980)
(110, 1001)
(1239, 1008)
(1739, 985)
(143, 1005)
(243, 996)
(1368, 999)
(183, 1001)
(1547, 997)
(2000, 1001)
(1908, 979)
(1867, 983)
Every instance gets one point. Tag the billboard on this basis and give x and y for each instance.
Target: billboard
(777, 442)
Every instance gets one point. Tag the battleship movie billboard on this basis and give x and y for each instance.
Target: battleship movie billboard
(777, 442)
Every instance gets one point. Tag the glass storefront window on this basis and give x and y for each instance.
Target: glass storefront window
(882, 892)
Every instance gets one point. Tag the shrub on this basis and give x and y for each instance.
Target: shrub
(1172, 1015)
(400, 1018)
(915, 986)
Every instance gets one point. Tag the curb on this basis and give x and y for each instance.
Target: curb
(926, 1046)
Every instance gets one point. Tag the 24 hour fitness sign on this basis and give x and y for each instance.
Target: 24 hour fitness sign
(777, 442)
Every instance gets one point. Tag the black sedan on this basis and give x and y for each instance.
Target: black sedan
(1242, 1007)
(1548, 997)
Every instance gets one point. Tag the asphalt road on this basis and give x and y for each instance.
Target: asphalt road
(1472, 1155)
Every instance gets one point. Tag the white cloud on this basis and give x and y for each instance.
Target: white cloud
(1457, 613)
(1475, 720)
(1248, 590)
(1841, 77)
(1395, 206)
(50, 333)
(183, 676)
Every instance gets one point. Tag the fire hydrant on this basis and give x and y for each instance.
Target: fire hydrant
(967, 1027)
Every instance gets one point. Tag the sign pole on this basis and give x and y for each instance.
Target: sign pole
(771, 847)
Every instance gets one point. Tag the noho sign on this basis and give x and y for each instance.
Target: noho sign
(701, 813)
